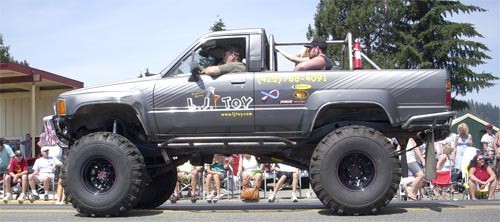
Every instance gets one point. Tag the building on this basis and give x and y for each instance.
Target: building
(477, 127)
(26, 96)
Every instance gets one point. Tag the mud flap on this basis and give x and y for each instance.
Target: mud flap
(430, 156)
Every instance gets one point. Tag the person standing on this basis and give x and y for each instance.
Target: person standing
(487, 142)
(27, 145)
(462, 141)
(412, 157)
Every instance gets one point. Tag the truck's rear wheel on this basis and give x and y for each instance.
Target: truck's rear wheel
(103, 175)
(158, 190)
(352, 171)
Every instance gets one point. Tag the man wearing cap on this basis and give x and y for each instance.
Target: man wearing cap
(18, 173)
(487, 141)
(317, 58)
(43, 170)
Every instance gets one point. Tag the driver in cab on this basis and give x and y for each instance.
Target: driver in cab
(231, 63)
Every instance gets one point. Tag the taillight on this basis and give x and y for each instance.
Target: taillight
(448, 93)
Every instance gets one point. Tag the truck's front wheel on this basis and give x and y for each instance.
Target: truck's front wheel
(352, 171)
(104, 175)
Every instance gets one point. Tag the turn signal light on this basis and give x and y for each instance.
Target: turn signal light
(448, 93)
(61, 107)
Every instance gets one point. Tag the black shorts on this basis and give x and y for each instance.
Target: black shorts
(289, 176)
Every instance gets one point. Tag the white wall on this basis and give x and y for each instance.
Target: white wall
(15, 112)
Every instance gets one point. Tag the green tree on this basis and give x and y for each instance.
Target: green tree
(411, 35)
(5, 55)
(4, 52)
(218, 25)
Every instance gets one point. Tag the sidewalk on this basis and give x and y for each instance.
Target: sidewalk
(51, 200)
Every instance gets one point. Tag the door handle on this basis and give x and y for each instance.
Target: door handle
(238, 81)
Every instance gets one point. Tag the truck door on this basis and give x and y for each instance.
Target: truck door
(186, 105)
(281, 99)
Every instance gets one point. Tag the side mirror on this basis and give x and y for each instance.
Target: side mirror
(195, 69)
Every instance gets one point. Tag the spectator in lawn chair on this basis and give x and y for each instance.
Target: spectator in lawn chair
(43, 171)
(216, 172)
(481, 176)
(18, 174)
(186, 174)
(249, 169)
(288, 174)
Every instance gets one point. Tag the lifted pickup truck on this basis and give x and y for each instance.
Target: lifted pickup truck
(125, 139)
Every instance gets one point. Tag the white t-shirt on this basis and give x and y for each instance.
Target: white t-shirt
(45, 165)
(487, 138)
(187, 167)
(250, 164)
(410, 155)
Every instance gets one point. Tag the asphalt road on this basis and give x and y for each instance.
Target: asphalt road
(283, 210)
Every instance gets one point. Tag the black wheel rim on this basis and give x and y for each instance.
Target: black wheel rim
(356, 171)
(98, 175)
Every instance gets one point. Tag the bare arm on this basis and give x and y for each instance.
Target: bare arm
(440, 163)
(291, 57)
(496, 141)
(240, 166)
(316, 63)
(492, 175)
(418, 154)
(211, 70)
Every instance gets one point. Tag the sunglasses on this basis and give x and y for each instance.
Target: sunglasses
(480, 158)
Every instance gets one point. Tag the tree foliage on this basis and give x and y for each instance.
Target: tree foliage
(218, 26)
(487, 112)
(5, 55)
(410, 35)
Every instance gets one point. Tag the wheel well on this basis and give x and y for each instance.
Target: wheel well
(108, 117)
(334, 116)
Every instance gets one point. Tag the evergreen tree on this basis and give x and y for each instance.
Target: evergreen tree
(218, 25)
(410, 35)
(4, 52)
(5, 55)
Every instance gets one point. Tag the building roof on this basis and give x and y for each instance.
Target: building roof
(475, 118)
(19, 78)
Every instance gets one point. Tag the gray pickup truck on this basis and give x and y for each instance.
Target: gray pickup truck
(125, 139)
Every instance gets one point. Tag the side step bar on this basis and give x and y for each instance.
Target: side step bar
(227, 142)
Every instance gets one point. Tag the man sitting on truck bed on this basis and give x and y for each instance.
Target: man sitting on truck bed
(231, 63)
(318, 60)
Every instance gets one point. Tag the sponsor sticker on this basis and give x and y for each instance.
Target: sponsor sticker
(286, 101)
(273, 94)
(301, 94)
(301, 86)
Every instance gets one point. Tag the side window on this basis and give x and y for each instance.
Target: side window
(195, 57)
(210, 53)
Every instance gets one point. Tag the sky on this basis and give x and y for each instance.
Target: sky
(97, 41)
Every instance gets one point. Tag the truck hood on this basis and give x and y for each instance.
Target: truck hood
(115, 86)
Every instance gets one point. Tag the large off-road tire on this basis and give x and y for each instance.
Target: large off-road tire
(352, 171)
(103, 175)
(158, 191)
